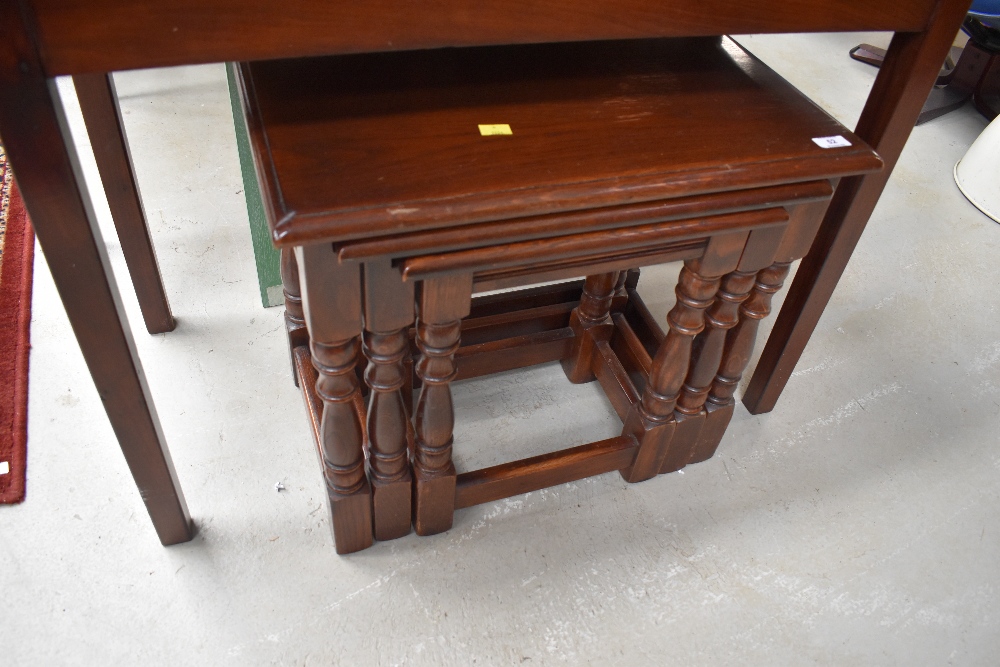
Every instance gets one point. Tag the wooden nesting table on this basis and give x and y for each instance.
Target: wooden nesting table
(400, 184)
(44, 39)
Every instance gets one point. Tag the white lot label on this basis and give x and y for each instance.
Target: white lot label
(4, 467)
(831, 142)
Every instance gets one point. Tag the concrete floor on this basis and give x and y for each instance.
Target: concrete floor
(856, 524)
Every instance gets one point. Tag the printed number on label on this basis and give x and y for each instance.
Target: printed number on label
(831, 142)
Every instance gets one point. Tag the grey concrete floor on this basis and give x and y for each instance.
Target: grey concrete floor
(856, 524)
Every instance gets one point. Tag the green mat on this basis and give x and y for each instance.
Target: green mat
(267, 257)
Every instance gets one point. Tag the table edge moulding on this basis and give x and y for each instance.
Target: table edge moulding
(615, 155)
(42, 39)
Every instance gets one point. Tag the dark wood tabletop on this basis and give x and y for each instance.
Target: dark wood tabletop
(41, 39)
(592, 123)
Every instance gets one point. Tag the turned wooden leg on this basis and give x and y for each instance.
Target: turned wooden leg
(388, 316)
(594, 310)
(626, 280)
(708, 347)
(295, 323)
(332, 311)
(706, 355)
(652, 421)
(735, 357)
(443, 304)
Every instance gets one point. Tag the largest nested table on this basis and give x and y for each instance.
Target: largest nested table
(387, 177)
(42, 39)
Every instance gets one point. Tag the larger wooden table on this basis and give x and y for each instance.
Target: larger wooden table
(42, 39)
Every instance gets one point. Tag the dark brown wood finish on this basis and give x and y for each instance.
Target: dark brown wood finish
(739, 346)
(335, 345)
(443, 303)
(528, 320)
(630, 350)
(754, 307)
(38, 142)
(560, 224)
(540, 472)
(594, 310)
(708, 349)
(907, 75)
(105, 35)
(490, 305)
(43, 38)
(389, 313)
(614, 379)
(102, 115)
(537, 253)
(593, 125)
(468, 239)
(512, 353)
(519, 276)
(295, 323)
(651, 421)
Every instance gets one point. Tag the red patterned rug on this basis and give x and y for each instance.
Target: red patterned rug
(17, 245)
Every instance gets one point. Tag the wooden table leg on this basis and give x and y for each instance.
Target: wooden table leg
(759, 276)
(331, 294)
(41, 152)
(101, 113)
(651, 421)
(443, 304)
(295, 323)
(594, 310)
(388, 317)
(906, 77)
(692, 413)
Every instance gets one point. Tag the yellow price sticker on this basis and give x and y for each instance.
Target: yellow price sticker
(494, 130)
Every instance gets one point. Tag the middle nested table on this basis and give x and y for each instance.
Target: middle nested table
(399, 184)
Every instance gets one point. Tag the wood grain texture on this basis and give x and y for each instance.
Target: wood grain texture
(351, 514)
(735, 357)
(630, 351)
(643, 323)
(512, 353)
(651, 421)
(41, 150)
(295, 323)
(540, 252)
(528, 174)
(540, 472)
(708, 348)
(906, 77)
(388, 315)
(517, 323)
(443, 303)
(146, 33)
(102, 116)
(594, 311)
(614, 379)
(564, 222)
(486, 305)
(600, 262)
(335, 342)
(594, 125)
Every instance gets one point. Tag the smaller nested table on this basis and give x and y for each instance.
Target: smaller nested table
(399, 184)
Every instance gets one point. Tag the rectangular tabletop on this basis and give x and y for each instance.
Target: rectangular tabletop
(363, 145)
(103, 35)
(40, 39)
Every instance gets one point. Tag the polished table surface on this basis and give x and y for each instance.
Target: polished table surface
(618, 154)
(595, 124)
(41, 39)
